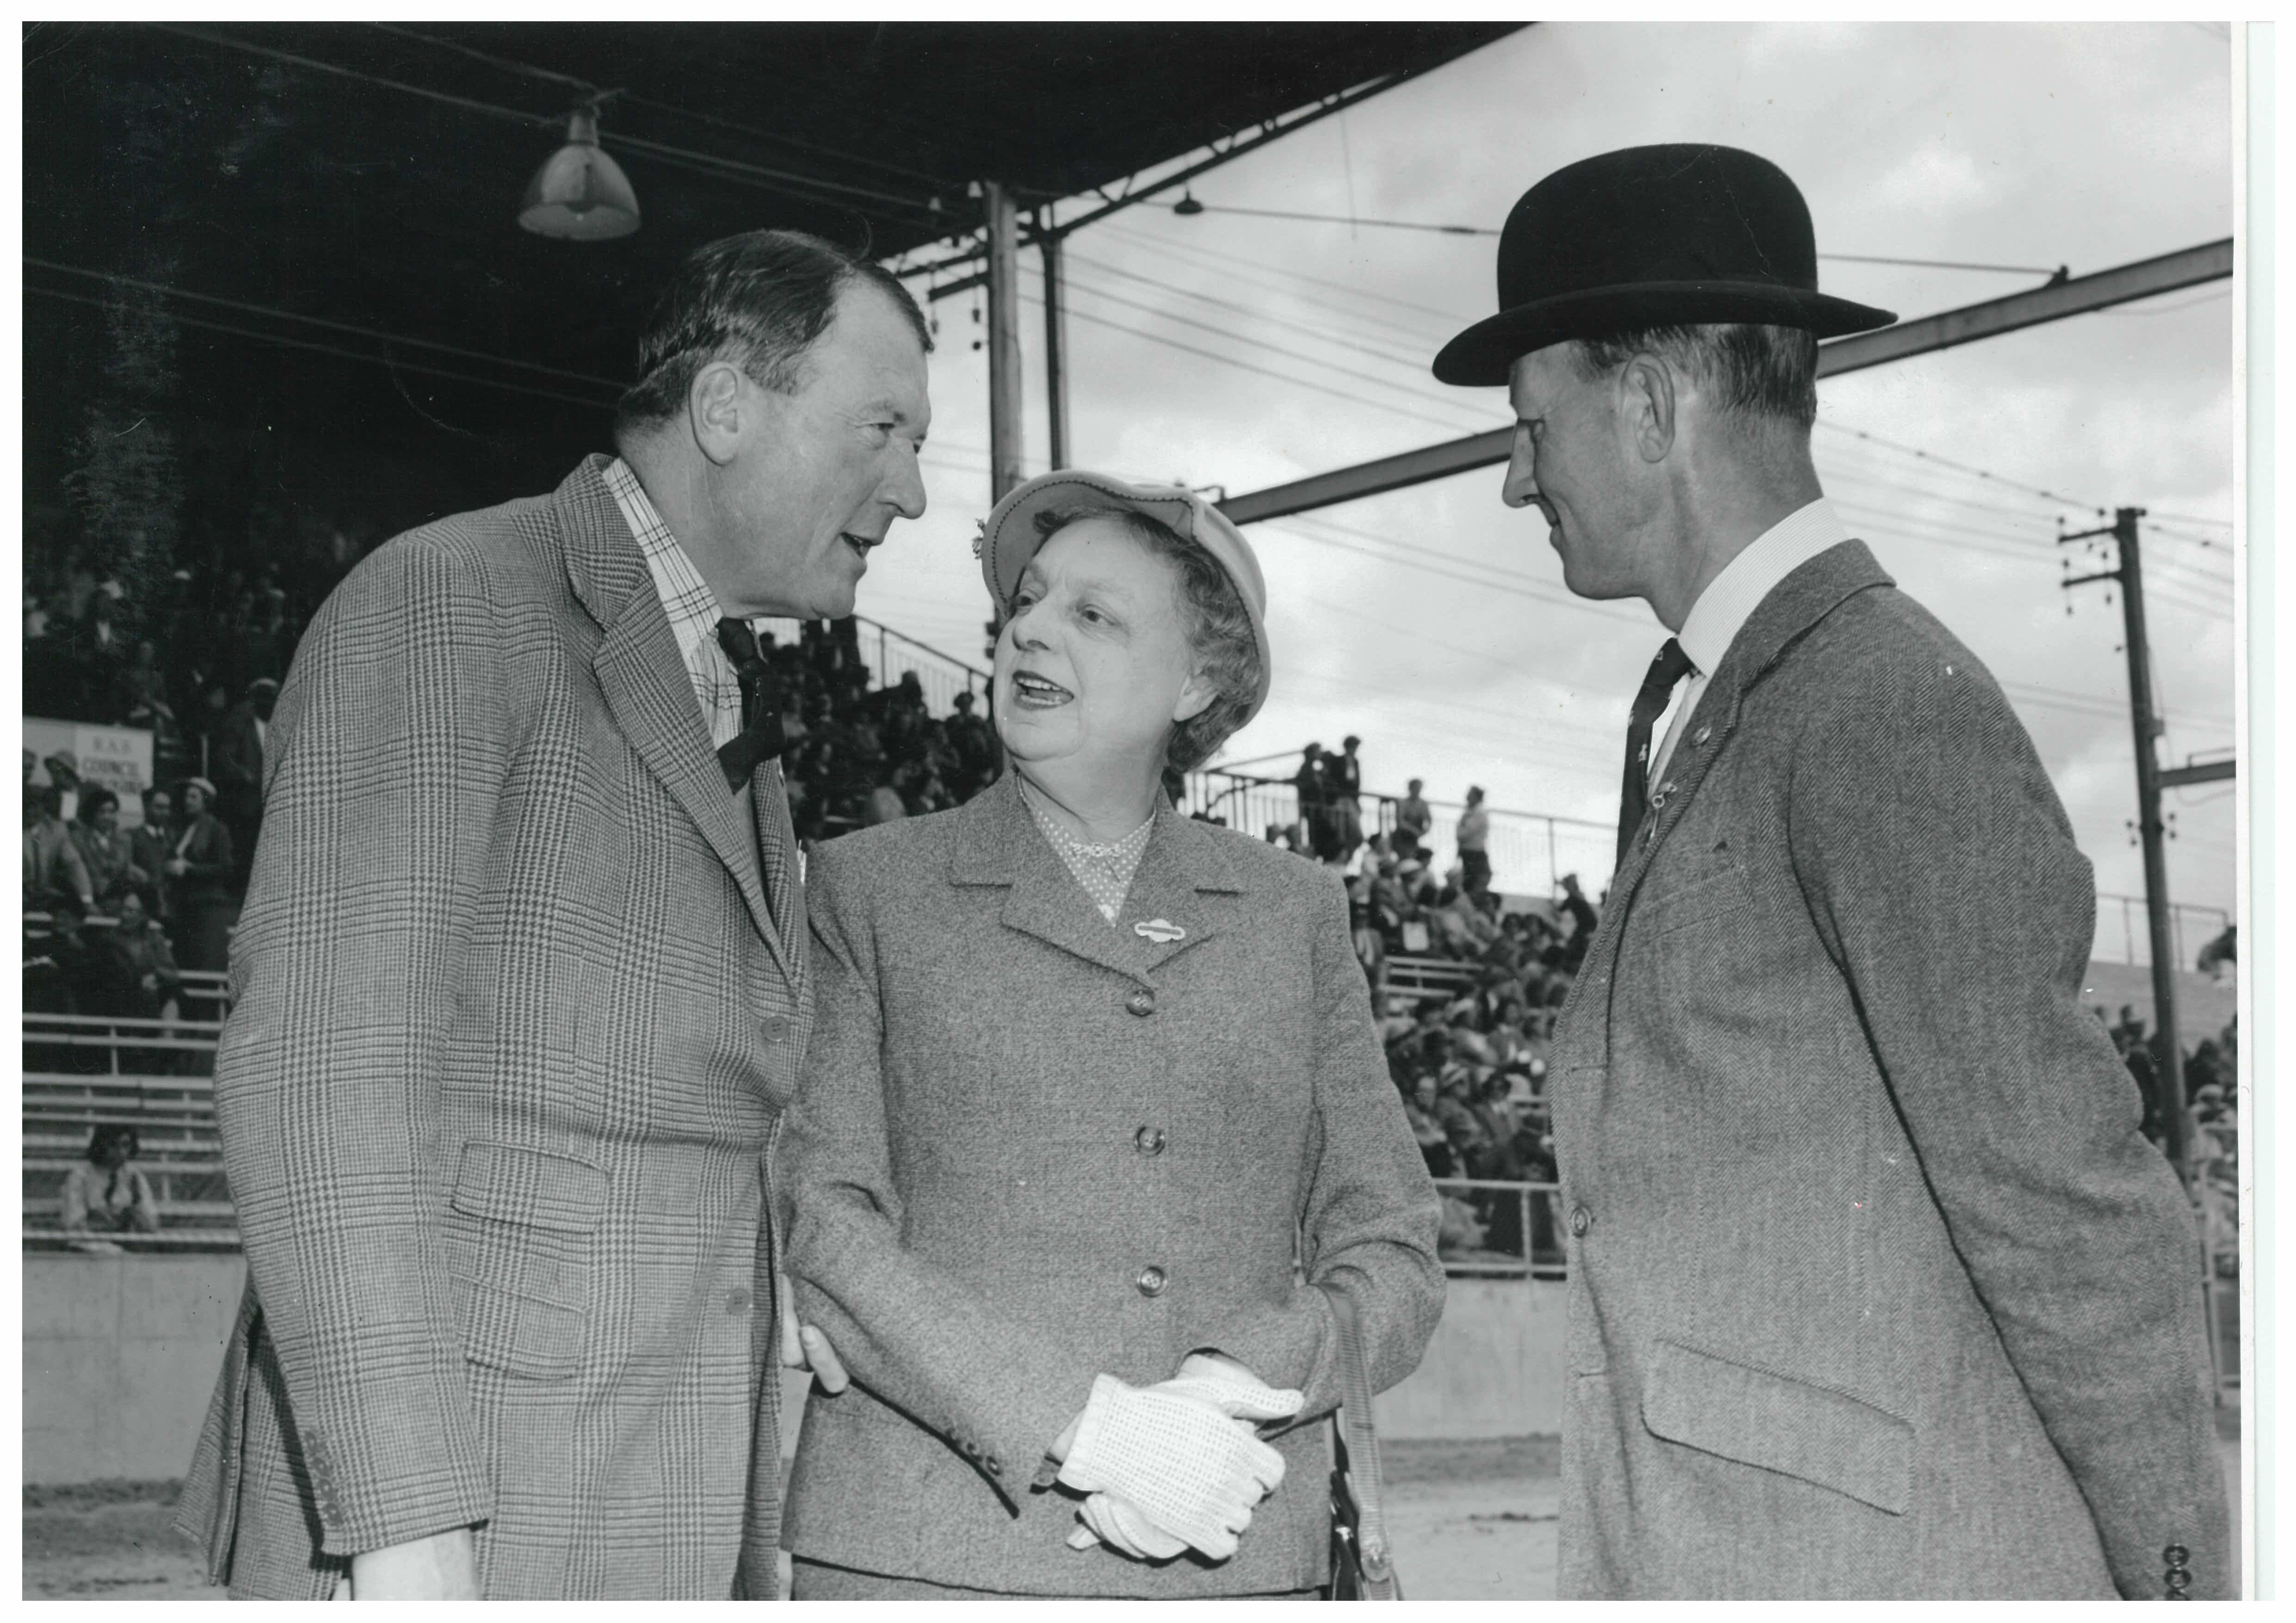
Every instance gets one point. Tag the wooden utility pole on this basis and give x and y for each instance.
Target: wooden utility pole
(1004, 274)
(2168, 1059)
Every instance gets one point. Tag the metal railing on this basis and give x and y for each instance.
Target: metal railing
(889, 655)
(2124, 936)
(1529, 851)
(1519, 1217)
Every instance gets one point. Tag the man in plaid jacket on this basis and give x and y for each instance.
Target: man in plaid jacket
(520, 989)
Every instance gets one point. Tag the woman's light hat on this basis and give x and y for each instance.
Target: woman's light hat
(1009, 539)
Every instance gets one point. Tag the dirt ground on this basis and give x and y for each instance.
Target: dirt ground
(1469, 1522)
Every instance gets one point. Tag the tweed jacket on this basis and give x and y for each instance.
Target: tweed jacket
(1032, 1148)
(1877, 1290)
(520, 992)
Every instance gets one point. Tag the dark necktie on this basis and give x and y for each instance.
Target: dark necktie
(1671, 665)
(760, 737)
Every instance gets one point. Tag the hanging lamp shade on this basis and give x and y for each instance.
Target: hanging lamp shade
(581, 193)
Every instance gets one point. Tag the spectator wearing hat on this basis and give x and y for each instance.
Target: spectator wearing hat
(105, 849)
(973, 742)
(200, 879)
(1474, 841)
(1031, 1202)
(1940, 1339)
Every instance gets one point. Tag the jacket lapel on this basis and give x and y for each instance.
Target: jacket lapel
(1002, 844)
(1184, 880)
(647, 685)
(1794, 607)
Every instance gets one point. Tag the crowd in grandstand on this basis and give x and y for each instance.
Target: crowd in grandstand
(198, 660)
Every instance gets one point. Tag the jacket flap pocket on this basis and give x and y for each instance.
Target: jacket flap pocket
(510, 1184)
(1714, 892)
(1780, 1424)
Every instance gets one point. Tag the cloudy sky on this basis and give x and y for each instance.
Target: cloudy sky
(1244, 351)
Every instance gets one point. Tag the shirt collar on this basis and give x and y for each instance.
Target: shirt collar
(685, 597)
(1731, 597)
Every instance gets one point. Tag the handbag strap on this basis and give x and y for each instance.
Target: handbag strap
(1362, 1441)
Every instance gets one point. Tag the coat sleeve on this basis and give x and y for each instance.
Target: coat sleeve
(392, 748)
(1372, 1214)
(1941, 871)
(912, 1333)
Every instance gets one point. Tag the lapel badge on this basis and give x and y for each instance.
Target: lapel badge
(1159, 930)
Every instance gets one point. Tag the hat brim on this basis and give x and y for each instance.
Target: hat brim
(1009, 539)
(1482, 354)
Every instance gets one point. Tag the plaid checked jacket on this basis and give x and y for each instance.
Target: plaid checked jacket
(521, 991)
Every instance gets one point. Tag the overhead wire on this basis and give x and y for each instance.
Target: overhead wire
(1229, 333)
(1229, 360)
(630, 98)
(1397, 354)
(282, 341)
(788, 182)
(1144, 240)
(249, 308)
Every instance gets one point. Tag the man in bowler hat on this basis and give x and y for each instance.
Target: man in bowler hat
(1876, 1289)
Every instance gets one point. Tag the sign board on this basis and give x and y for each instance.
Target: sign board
(120, 759)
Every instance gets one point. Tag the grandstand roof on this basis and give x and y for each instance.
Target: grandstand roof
(368, 174)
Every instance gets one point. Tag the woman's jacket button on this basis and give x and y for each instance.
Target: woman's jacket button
(1151, 1281)
(1142, 1001)
(1149, 1140)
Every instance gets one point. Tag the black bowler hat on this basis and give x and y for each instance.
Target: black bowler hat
(1651, 236)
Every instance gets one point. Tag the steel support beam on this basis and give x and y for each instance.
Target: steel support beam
(1056, 350)
(1004, 339)
(2075, 296)
(1139, 191)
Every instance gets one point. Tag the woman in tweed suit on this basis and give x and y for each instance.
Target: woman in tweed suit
(1085, 1076)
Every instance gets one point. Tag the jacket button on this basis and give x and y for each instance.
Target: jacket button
(1151, 1281)
(2176, 1555)
(776, 1027)
(1142, 1002)
(1702, 735)
(737, 1301)
(996, 1468)
(1581, 1220)
(1149, 1140)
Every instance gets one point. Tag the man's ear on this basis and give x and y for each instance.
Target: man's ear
(715, 411)
(1647, 406)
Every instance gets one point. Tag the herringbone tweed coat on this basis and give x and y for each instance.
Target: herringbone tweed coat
(1875, 1288)
(520, 994)
(1032, 1148)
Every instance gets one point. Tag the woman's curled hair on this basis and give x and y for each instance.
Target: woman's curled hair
(1218, 628)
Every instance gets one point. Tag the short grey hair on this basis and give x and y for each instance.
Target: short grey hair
(1750, 371)
(761, 299)
(1219, 628)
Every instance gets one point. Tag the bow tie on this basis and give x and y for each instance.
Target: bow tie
(760, 738)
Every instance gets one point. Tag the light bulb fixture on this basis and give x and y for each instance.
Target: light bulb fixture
(580, 193)
(1187, 204)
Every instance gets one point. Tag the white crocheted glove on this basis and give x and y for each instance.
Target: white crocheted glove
(1226, 1386)
(1117, 1523)
(1182, 1463)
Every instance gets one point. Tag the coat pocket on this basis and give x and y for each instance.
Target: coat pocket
(1780, 1424)
(521, 1233)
